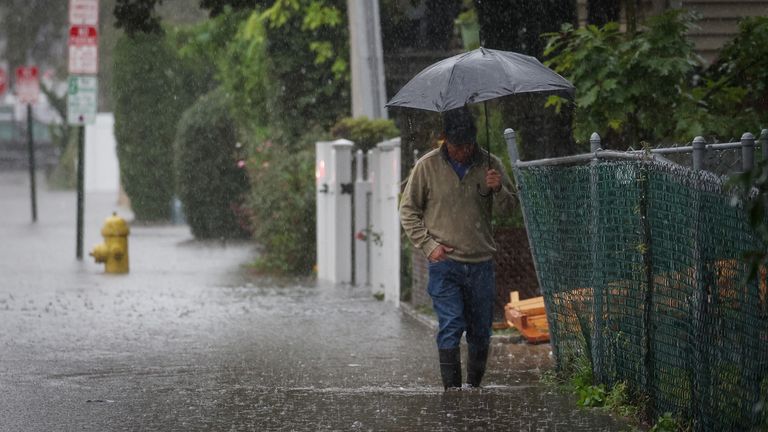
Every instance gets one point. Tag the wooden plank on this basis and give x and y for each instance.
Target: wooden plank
(528, 317)
(532, 335)
(531, 310)
(501, 325)
(514, 300)
(514, 297)
(535, 302)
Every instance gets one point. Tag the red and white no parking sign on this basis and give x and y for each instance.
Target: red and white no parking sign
(84, 12)
(27, 84)
(83, 49)
(3, 81)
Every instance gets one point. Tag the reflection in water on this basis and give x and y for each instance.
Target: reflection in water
(418, 408)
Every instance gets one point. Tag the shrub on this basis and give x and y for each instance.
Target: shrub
(651, 86)
(148, 100)
(209, 181)
(629, 89)
(364, 132)
(283, 206)
(736, 88)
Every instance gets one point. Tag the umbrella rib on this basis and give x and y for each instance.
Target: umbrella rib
(451, 77)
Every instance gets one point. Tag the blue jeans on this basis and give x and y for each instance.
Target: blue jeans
(462, 297)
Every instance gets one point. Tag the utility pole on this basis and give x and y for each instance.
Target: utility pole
(367, 59)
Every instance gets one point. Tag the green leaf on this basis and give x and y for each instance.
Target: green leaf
(589, 97)
(555, 101)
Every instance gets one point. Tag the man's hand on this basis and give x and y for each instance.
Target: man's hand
(440, 253)
(493, 180)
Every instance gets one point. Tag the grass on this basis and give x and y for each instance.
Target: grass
(617, 399)
(425, 310)
(509, 331)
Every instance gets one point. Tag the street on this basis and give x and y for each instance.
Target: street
(191, 339)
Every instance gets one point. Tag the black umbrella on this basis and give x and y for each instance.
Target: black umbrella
(478, 76)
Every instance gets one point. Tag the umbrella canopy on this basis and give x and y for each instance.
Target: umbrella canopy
(476, 76)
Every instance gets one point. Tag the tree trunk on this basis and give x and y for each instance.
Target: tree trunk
(439, 22)
(517, 25)
(601, 12)
(631, 12)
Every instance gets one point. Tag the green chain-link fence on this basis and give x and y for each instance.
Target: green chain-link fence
(640, 264)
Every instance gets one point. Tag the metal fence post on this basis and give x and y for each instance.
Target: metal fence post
(763, 140)
(747, 151)
(699, 150)
(594, 142)
(697, 354)
(647, 259)
(597, 353)
(511, 138)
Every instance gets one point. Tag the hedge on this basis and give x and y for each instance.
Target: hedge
(211, 177)
(148, 102)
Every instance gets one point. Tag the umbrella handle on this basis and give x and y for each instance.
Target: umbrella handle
(487, 133)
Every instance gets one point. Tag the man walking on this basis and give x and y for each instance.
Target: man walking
(446, 212)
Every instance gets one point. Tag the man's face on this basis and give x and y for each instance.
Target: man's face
(461, 153)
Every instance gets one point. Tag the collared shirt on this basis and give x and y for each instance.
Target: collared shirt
(440, 207)
(458, 167)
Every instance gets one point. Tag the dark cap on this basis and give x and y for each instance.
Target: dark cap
(459, 126)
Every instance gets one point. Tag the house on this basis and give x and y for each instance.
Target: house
(719, 19)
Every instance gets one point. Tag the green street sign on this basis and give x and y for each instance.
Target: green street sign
(82, 99)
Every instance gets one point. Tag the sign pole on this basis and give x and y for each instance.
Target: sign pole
(80, 188)
(82, 86)
(32, 168)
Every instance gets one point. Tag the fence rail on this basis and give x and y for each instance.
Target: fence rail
(640, 263)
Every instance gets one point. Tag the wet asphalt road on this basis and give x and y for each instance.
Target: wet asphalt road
(190, 340)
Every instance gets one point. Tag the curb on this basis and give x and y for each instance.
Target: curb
(420, 317)
(432, 324)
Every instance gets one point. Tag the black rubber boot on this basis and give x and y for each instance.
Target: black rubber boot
(450, 367)
(476, 359)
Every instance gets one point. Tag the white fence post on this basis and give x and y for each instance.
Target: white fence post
(322, 206)
(362, 225)
(374, 221)
(333, 172)
(385, 232)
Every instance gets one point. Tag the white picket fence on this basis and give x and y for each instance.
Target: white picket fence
(374, 238)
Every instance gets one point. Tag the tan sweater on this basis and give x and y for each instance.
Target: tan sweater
(438, 208)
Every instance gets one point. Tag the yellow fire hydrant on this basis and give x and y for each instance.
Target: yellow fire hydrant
(114, 251)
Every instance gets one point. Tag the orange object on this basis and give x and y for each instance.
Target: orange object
(528, 316)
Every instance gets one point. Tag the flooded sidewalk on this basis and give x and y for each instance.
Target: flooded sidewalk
(191, 340)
